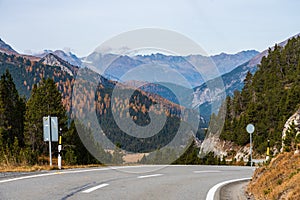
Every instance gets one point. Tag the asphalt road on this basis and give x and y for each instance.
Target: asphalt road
(135, 182)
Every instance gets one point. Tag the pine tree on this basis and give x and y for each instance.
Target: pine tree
(45, 100)
(268, 98)
(75, 150)
(12, 109)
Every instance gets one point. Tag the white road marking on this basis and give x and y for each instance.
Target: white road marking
(95, 188)
(208, 171)
(26, 177)
(211, 193)
(63, 172)
(148, 176)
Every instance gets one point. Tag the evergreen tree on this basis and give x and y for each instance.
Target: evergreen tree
(268, 98)
(74, 150)
(190, 156)
(12, 109)
(45, 100)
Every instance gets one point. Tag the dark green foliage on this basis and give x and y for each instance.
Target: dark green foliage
(45, 100)
(191, 157)
(74, 150)
(12, 109)
(267, 100)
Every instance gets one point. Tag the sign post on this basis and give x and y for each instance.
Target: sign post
(59, 148)
(50, 140)
(268, 151)
(250, 129)
(50, 126)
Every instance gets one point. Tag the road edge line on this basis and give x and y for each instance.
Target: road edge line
(212, 191)
(71, 171)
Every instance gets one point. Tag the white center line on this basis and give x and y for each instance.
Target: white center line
(95, 188)
(208, 171)
(148, 176)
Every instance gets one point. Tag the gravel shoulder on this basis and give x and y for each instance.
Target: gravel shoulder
(235, 191)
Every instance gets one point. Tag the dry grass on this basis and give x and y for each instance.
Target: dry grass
(43, 165)
(279, 180)
(129, 159)
(12, 168)
(133, 158)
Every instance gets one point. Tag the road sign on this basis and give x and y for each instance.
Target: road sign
(50, 127)
(250, 128)
(54, 129)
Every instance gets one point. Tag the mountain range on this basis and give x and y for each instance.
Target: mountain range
(115, 66)
(232, 69)
(233, 80)
(66, 56)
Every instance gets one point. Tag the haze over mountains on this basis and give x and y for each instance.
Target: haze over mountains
(28, 70)
(232, 68)
(115, 66)
(233, 80)
(224, 62)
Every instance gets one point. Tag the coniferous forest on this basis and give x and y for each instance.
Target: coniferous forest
(46, 90)
(268, 99)
(30, 90)
(21, 129)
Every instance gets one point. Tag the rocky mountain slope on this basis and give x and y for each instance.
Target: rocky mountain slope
(66, 56)
(267, 100)
(5, 48)
(234, 80)
(54, 60)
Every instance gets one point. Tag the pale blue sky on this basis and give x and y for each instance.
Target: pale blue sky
(216, 25)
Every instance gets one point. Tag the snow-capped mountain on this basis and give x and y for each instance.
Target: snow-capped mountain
(66, 56)
(6, 48)
(54, 60)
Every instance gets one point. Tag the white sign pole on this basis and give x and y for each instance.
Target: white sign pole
(50, 138)
(251, 149)
(59, 148)
(250, 129)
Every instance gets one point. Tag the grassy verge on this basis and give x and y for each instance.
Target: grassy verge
(42, 167)
(278, 180)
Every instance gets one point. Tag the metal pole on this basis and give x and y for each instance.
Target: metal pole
(50, 139)
(251, 149)
(268, 151)
(59, 148)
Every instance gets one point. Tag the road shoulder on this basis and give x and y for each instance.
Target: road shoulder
(235, 191)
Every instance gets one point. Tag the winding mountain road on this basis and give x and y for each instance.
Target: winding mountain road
(129, 182)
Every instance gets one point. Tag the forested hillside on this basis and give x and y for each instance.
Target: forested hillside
(47, 90)
(27, 73)
(267, 100)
